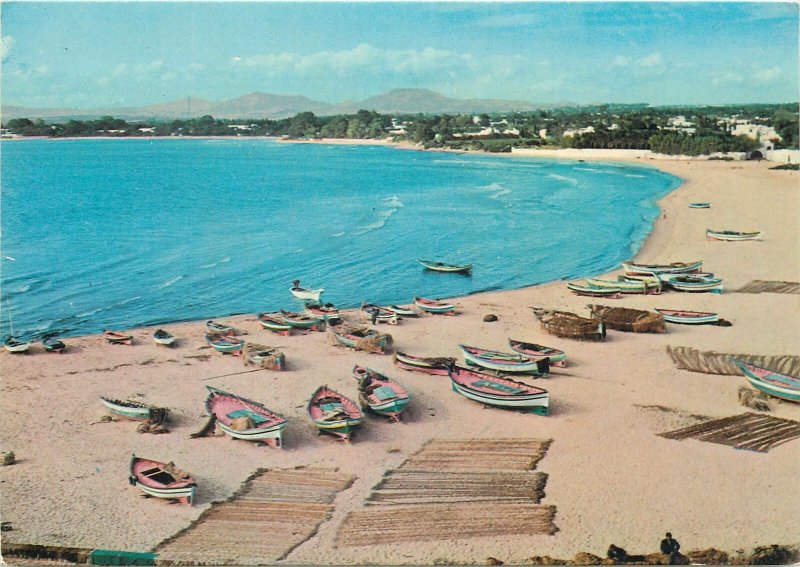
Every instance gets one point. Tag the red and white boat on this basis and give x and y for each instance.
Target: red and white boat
(245, 419)
(688, 317)
(161, 480)
(117, 338)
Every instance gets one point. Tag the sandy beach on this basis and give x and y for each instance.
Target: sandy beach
(610, 476)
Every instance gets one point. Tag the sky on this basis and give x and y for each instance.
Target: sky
(117, 54)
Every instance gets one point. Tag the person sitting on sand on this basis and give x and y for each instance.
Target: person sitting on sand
(670, 547)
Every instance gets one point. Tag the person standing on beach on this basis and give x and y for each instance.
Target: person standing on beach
(670, 547)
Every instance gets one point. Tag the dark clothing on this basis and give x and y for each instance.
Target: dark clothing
(670, 546)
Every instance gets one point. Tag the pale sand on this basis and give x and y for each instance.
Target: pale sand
(612, 479)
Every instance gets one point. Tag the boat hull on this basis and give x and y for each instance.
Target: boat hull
(662, 269)
(503, 362)
(731, 236)
(418, 364)
(589, 291)
(688, 317)
(127, 412)
(181, 490)
(534, 402)
(446, 268)
(225, 407)
(435, 307)
(774, 384)
(306, 294)
(557, 357)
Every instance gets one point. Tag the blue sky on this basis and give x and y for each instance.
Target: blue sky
(112, 54)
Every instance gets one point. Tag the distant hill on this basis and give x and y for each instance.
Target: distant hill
(264, 105)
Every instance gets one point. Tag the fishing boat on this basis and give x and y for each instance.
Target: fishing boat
(404, 311)
(623, 286)
(694, 283)
(306, 294)
(428, 365)
(435, 307)
(15, 345)
(770, 382)
(557, 357)
(380, 394)
(162, 480)
(362, 338)
(52, 343)
(378, 314)
(225, 344)
(688, 317)
(215, 327)
(629, 320)
(274, 322)
(497, 391)
(300, 321)
(245, 419)
(333, 413)
(589, 291)
(732, 235)
(117, 338)
(449, 268)
(699, 205)
(162, 337)
(569, 325)
(505, 362)
(127, 409)
(650, 279)
(327, 312)
(271, 358)
(662, 269)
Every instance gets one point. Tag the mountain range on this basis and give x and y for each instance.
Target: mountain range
(263, 105)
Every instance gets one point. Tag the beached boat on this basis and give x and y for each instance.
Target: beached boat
(377, 314)
(694, 283)
(226, 344)
(650, 279)
(327, 312)
(428, 365)
(505, 362)
(497, 391)
(161, 480)
(274, 322)
(688, 317)
(334, 413)
(404, 311)
(569, 325)
(127, 409)
(306, 294)
(590, 291)
(15, 345)
(162, 337)
(732, 235)
(630, 320)
(433, 306)
(245, 419)
(699, 205)
(117, 338)
(773, 383)
(380, 394)
(215, 327)
(300, 321)
(362, 338)
(557, 357)
(662, 269)
(442, 267)
(52, 343)
(271, 358)
(622, 286)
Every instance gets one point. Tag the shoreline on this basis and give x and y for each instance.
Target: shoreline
(606, 466)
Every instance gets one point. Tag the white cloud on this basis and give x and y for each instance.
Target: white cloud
(622, 61)
(652, 60)
(26, 74)
(767, 75)
(6, 43)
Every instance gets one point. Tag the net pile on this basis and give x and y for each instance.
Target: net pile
(630, 320)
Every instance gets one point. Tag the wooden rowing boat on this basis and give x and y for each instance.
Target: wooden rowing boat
(274, 322)
(334, 413)
(161, 480)
(127, 409)
(505, 362)
(773, 383)
(380, 394)
(688, 317)
(447, 268)
(404, 311)
(215, 327)
(362, 338)
(694, 283)
(245, 419)
(435, 307)
(732, 235)
(300, 321)
(306, 294)
(164, 338)
(226, 344)
(630, 320)
(662, 269)
(622, 286)
(569, 325)
(699, 205)
(117, 338)
(52, 343)
(591, 291)
(14, 345)
(377, 314)
(327, 312)
(500, 392)
(428, 365)
(557, 357)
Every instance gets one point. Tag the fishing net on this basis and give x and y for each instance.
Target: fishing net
(264, 356)
(631, 320)
(569, 325)
(709, 362)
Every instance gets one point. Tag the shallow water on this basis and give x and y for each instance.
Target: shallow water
(122, 233)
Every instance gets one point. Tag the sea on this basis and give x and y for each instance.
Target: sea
(121, 233)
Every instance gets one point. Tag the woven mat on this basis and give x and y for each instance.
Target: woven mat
(750, 431)
(761, 286)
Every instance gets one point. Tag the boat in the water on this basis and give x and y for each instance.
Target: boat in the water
(629, 320)
(770, 382)
(127, 409)
(380, 394)
(569, 325)
(117, 338)
(52, 343)
(162, 337)
(245, 419)
(226, 344)
(699, 205)
(732, 235)
(443, 267)
(300, 321)
(662, 269)
(435, 307)
(362, 338)
(688, 317)
(505, 362)
(306, 294)
(498, 391)
(591, 291)
(327, 312)
(161, 480)
(623, 286)
(334, 413)
(404, 311)
(220, 328)
(557, 357)
(15, 345)
(377, 314)
(694, 283)
(274, 322)
(429, 365)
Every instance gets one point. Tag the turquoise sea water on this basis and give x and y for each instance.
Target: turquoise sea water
(122, 233)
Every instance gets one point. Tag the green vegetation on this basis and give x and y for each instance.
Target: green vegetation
(671, 130)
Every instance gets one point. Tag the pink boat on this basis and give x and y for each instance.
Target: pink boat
(334, 413)
(162, 480)
(245, 419)
(380, 394)
(117, 338)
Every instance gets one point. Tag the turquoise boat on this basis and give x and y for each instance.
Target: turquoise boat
(447, 268)
(433, 306)
(334, 413)
(274, 322)
(300, 321)
(380, 394)
(699, 205)
(225, 344)
(772, 383)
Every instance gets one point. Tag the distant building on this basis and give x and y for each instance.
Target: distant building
(147, 130)
(543, 133)
(765, 134)
(578, 131)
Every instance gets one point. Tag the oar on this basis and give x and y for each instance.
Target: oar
(232, 374)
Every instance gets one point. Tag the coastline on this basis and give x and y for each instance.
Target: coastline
(606, 485)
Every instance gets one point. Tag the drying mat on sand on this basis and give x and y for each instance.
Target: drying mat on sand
(750, 431)
(442, 491)
(272, 513)
(761, 286)
(709, 362)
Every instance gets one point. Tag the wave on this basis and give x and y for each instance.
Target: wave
(557, 177)
(170, 282)
(394, 203)
(500, 193)
(225, 260)
(338, 234)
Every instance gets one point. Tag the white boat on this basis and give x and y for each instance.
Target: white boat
(14, 345)
(306, 294)
(732, 235)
